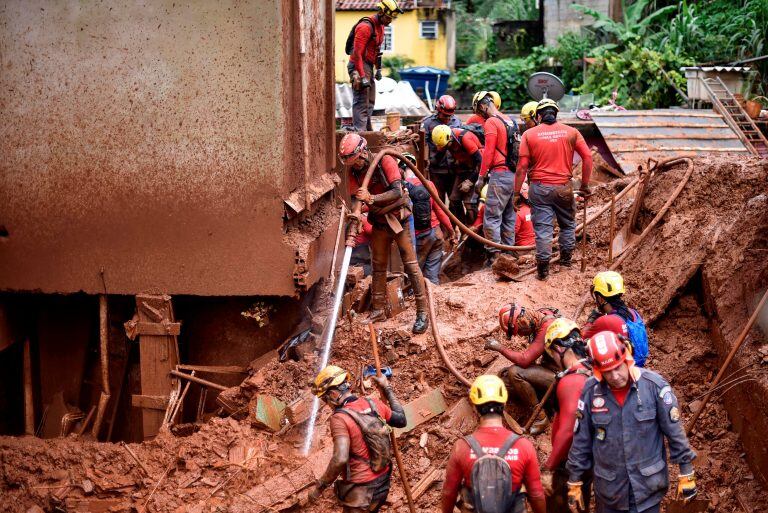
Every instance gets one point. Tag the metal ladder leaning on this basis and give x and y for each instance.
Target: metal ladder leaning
(734, 115)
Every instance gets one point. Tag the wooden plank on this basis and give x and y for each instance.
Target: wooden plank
(215, 369)
(158, 328)
(423, 409)
(153, 402)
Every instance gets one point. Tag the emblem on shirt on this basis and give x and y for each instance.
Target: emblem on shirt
(674, 414)
(600, 434)
(580, 405)
(598, 402)
(669, 398)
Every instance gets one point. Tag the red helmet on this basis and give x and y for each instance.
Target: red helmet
(446, 105)
(351, 148)
(607, 351)
(509, 315)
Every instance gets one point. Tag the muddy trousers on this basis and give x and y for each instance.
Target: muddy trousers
(429, 249)
(363, 100)
(558, 502)
(550, 202)
(500, 215)
(381, 241)
(528, 385)
(363, 497)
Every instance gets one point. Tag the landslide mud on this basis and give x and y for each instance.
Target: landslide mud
(695, 278)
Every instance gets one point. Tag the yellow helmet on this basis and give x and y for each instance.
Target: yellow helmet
(389, 8)
(484, 193)
(496, 98)
(528, 110)
(441, 136)
(329, 377)
(560, 329)
(547, 102)
(480, 95)
(488, 389)
(608, 283)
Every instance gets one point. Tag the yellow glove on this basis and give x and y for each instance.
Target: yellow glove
(575, 498)
(686, 487)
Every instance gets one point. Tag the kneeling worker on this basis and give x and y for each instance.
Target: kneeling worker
(489, 456)
(356, 421)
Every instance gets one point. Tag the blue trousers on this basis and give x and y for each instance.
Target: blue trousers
(499, 217)
(429, 251)
(550, 202)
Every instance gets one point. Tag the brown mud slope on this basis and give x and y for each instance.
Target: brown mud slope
(696, 276)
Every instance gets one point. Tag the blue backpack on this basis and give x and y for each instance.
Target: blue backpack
(638, 336)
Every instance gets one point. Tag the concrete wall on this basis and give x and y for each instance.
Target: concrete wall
(156, 141)
(560, 17)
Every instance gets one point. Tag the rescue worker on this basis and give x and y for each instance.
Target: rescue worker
(528, 115)
(524, 234)
(440, 162)
(613, 314)
(499, 220)
(488, 395)
(477, 119)
(564, 344)
(526, 380)
(366, 481)
(467, 153)
(388, 212)
(365, 55)
(624, 415)
(546, 152)
(361, 252)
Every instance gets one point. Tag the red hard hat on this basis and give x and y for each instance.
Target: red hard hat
(508, 317)
(446, 104)
(351, 147)
(607, 351)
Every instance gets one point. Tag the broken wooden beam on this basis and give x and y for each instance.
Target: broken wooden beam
(422, 409)
(152, 402)
(199, 381)
(214, 369)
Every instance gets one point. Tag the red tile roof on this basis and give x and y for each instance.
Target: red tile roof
(370, 5)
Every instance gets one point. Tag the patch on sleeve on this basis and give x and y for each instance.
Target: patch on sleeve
(669, 398)
(674, 414)
(664, 391)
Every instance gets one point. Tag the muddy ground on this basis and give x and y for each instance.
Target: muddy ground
(696, 277)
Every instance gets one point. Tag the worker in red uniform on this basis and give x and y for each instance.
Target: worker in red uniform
(467, 152)
(488, 395)
(368, 35)
(564, 344)
(527, 380)
(388, 211)
(440, 161)
(361, 252)
(546, 153)
(499, 220)
(477, 119)
(367, 470)
(528, 115)
(524, 234)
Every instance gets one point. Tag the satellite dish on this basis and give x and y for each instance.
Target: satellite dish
(545, 85)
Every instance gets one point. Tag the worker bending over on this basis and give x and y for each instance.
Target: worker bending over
(524, 233)
(361, 443)
(489, 467)
(624, 415)
(389, 208)
(613, 314)
(477, 119)
(569, 351)
(546, 153)
(466, 151)
(440, 162)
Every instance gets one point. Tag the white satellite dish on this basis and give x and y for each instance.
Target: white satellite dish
(545, 85)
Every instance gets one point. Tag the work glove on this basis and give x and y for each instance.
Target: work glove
(363, 195)
(378, 74)
(593, 316)
(585, 191)
(479, 185)
(355, 76)
(316, 491)
(365, 83)
(491, 344)
(686, 487)
(517, 201)
(575, 498)
(546, 482)
(381, 381)
(465, 186)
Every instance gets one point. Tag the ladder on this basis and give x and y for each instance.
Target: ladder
(734, 115)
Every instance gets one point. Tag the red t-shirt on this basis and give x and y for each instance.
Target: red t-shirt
(621, 393)
(550, 148)
(475, 119)
(495, 149)
(343, 425)
(521, 459)
(463, 153)
(524, 235)
(568, 393)
(365, 47)
(525, 358)
(610, 322)
(438, 216)
(391, 171)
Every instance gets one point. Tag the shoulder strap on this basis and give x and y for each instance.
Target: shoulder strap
(475, 445)
(507, 445)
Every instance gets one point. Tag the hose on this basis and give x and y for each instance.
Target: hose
(438, 341)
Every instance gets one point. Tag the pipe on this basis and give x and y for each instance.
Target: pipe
(336, 245)
(739, 342)
(395, 447)
(104, 354)
(199, 381)
(438, 340)
(584, 238)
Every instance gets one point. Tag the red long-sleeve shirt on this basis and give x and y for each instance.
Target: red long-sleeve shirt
(548, 150)
(495, 150)
(365, 232)
(521, 459)
(525, 358)
(568, 393)
(608, 322)
(366, 47)
(524, 235)
(464, 148)
(439, 218)
(391, 172)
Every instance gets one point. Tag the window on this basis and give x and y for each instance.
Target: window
(428, 29)
(389, 40)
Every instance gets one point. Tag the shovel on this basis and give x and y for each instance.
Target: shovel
(629, 231)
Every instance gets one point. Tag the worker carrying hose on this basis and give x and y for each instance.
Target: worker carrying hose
(467, 152)
(527, 380)
(564, 344)
(488, 468)
(440, 161)
(497, 169)
(364, 49)
(389, 208)
(546, 154)
(624, 415)
(613, 314)
(361, 444)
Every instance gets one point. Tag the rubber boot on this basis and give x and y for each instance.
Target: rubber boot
(421, 324)
(542, 270)
(417, 284)
(541, 424)
(378, 296)
(491, 258)
(565, 258)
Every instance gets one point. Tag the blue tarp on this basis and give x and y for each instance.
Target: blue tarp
(427, 78)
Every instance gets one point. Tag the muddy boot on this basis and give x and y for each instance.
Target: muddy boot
(565, 258)
(421, 324)
(542, 270)
(378, 297)
(540, 425)
(490, 258)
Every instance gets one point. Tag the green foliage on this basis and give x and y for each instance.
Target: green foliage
(394, 63)
(507, 76)
(506, 9)
(635, 25)
(570, 48)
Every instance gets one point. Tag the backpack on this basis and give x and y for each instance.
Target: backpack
(350, 44)
(491, 478)
(376, 435)
(475, 128)
(422, 207)
(510, 158)
(638, 337)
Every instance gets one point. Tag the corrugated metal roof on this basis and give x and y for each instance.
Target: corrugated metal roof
(718, 68)
(391, 96)
(370, 5)
(634, 136)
